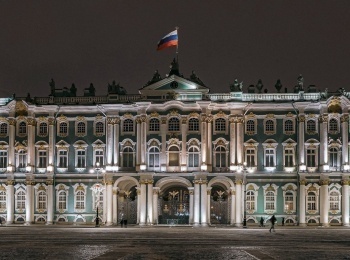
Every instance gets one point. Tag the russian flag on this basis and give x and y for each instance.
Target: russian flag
(168, 40)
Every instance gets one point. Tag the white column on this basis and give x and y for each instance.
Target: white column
(301, 140)
(323, 142)
(324, 202)
(109, 202)
(240, 141)
(143, 203)
(183, 144)
(238, 203)
(209, 145)
(116, 142)
(138, 204)
(204, 139)
(345, 136)
(29, 202)
(10, 202)
(233, 206)
(51, 141)
(196, 205)
(191, 192)
(149, 202)
(232, 142)
(302, 203)
(345, 202)
(12, 131)
(138, 143)
(208, 204)
(109, 138)
(143, 141)
(50, 203)
(115, 206)
(31, 138)
(155, 205)
(163, 158)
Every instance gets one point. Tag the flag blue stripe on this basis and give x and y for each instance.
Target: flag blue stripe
(167, 39)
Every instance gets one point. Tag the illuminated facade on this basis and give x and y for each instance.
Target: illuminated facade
(176, 154)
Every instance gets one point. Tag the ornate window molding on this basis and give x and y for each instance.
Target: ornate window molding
(98, 152)
(174, 154)
(22, 128)
(220, 125)
(270, 160)
(153, 149)
(62, 160)
(311, 148)
(4, 127)
(289, 198)
(334, 154)
(270, 198)
(128, 124)
(99, 126)
(40, 197)
(193, 155)
(173, 124)
(80, 155)
(251, 124)
(252, 197)
(79, 197)
(289, 155)
(21, 156)
(42, 157)
(154, 125)
(312, 198)
(221, 153)
(311, 124)
(334, 198)
(333, 124)
(3, 156)
(62, 192)
(127, 153)
(270, 124)
(62, 126)
(193, 124)
(80, 126)
(42, 126)
(250, 152)
(20, 198)
(289, 124)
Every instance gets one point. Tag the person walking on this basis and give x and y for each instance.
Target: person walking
(261, 222)
(273, 221)
(282, 221)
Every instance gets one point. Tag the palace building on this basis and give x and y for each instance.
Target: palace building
(176, 154)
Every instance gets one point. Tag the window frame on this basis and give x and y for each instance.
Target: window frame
(270, 191)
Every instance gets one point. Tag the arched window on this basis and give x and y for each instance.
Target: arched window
(154, 124)
(174, 156)
(269, 126)
(21, 200)
(311, 201)
(333, 125)
(270, 200)
(128, 157)
(193, 124)
(128, 125)
(311, 126)
(81, 128)
(174, 124)
(22, 128)
(288, 201)
(43, 129)
(80, 200)
(62, 200)
(220, 157)
(334, 200)
(99, 128)
(2, 200)
(63, 129)
(3, 129)
(193, 157)
(220, 125)
(333, 157)
(288, 126)
(250, 126)
(250, 200)
(153, 157)
(41, 202)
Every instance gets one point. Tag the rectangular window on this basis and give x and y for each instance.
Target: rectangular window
(62, 203)
(288, 158)
(62, 159)
(3, 159)
(22, 159)
(288, 202)
(311, 157)
(269, 158)
(81, 159)
(250, 154)
(311, 202)
(99, 157)
(42, 159)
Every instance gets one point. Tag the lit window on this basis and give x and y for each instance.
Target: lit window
(174, 156)
(154, 124)
(193, 124)
(174, 124)
(334, 200)
(2, 200)
(21, 200)
(288, 201)
(80, 200)
(270, 200)
(250, 199)
(62, 200)
(153, 158)
(41, 203)
(128, 125)
(193, 157)
(311, 201)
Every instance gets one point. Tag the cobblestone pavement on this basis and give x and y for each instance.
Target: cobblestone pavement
(66, 242)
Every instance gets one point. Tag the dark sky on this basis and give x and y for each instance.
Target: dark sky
(100, 41)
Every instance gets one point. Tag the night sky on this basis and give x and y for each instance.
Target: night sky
(100, 41)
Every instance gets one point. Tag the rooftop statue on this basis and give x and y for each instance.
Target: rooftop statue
(259, 85)
(116, 89)
(52, 87)
(236, 86)
(73, 91)
(156, 77)
(300, 81)
(278, 85)
(194, 78)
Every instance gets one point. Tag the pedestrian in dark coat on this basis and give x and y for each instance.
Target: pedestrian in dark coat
(273, 221)
(282, 221)
(261, 222)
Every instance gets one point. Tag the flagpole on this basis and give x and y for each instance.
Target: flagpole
(177, 46)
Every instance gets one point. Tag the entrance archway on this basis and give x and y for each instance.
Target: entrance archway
(127, 205)
(219, 205)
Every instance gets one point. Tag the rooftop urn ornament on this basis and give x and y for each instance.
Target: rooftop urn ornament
(278, 85)
(300, 82)
(259, 85)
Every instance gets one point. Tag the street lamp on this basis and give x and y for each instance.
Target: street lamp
(245, 194)
(98, 188)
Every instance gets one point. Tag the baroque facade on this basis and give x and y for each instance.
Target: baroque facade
(176, 154)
